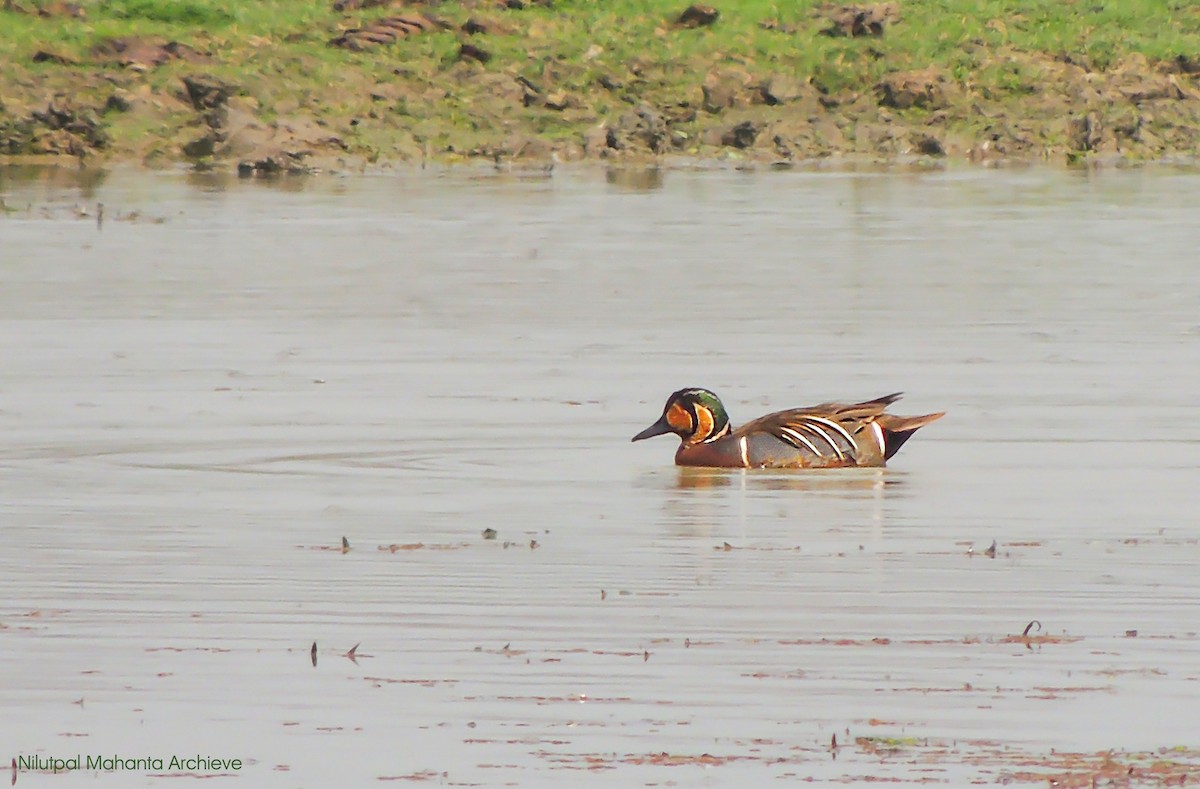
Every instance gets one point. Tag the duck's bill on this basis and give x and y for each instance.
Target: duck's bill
(656, 429)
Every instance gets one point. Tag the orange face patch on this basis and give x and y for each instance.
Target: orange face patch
(704, 422)
(679, 419)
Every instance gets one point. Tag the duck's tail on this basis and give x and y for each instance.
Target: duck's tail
(898, 429)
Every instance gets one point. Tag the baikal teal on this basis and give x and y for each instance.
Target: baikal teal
(108, 764)
(829, 435)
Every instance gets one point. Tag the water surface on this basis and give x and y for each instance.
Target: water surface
(203, 395)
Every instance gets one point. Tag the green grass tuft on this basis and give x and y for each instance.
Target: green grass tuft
(174, 12)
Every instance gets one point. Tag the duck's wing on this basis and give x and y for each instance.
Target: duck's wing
(842, 432)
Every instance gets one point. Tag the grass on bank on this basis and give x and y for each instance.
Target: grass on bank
(277, 52)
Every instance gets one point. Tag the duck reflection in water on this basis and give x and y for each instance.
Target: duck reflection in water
(851, 481)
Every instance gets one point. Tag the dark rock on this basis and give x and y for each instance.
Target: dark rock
(698, 16)
(46, 56)
(271, 165)
(277, 163)
(476, 26)
(928, 145)
(1185, 64)
(206, 92)
(120, 101)
(472, 52)
(742, 135)
(531, 93)
(861, 20)
(201, 146)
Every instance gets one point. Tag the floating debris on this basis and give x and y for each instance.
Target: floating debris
(352, 654)
(991, 552)
(345, 545)
(417, 546)
(489, 534)
(1029, 627)
(313, 654)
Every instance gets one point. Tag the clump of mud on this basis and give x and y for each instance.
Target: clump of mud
(388, 30)
(60, 128)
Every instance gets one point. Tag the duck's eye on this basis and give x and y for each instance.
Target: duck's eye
(679, 418)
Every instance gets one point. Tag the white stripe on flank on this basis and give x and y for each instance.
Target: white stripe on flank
(795, 436)
(822, 420)
(879, 438)
(818, 431)
(745, 452)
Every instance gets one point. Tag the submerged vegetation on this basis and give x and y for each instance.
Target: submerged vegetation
(282, 84)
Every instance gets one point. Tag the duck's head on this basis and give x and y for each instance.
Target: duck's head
(695, 415)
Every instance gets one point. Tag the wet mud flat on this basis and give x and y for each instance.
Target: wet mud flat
(334, 477)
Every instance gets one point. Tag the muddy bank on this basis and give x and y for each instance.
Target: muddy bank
(391, 83)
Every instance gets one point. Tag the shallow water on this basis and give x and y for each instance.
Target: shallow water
(204, 395)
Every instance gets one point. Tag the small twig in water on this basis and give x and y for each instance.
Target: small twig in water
(1029, 627)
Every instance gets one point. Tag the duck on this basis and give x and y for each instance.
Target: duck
(828, 435)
